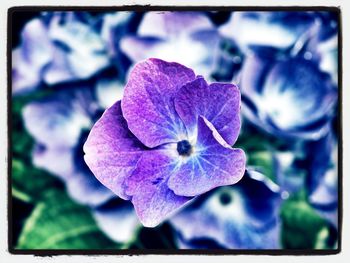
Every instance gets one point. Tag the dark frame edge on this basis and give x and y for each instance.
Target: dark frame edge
(134, 252)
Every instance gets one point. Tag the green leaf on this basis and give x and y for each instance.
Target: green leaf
(30, 184)
(253, 139)
(59, 223)
(264, 161)
(301, 225)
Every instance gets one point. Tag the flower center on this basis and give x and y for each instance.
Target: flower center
(225, 198)
(184, 148)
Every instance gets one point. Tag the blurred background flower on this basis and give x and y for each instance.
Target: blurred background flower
(241, 216)
(189, 38)
(68, 67)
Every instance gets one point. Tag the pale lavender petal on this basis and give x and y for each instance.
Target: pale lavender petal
(111, 151)
(213, 164)
(86, 189)
(56, 160)
(30, 57)
(55, 122)
(172, 24)
(22, 79)
(108, 91)
(219, 103)
(148, 105)
(118, 221)
(84, 48)
(274, 29)
(153, 200)
(140, 48)
(113, 29)
(81, 185)
(58, 70)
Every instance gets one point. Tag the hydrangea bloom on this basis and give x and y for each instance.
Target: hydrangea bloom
(59, 124)
(242, 216)
(168, 139)
(56, 48)
(289, 97)
(276, 30)
(165, 35)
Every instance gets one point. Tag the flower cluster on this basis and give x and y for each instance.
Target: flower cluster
(137, 113)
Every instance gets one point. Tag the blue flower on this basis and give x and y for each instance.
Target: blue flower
(59, 125)
(241, 216)
(322, 184)
(271, 30)
(57, 47)
(290, 98)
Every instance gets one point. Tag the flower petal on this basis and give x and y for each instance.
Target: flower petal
(273, 29)
(58, 70)
(114, 27)
(81, 184)
(30, 57)
(299, 106)
(148, 101)
(84, 48)
(86, 189)
(153, 200)
(56, 160)
(172, 24)
(139, 48)
(219, 103)
(55, 121)
(213, 164)
(117, 219)
(111, 151)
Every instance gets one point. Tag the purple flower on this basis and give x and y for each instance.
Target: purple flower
(56, 48)
(242, 216)
(168, 139)
(288, 97)
(165, 35)
(59, 125)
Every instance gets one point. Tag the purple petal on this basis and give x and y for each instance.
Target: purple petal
(219, 103)
(172, 24)
(118, 221)
(148, 101)
(55, 122)
(153, 200)
(213, 164)
(111, 151)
